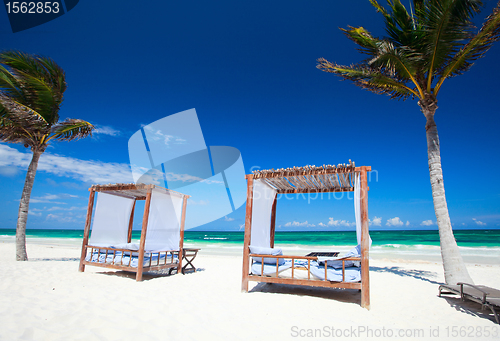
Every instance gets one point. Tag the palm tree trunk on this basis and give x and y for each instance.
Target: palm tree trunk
(454, 267)
(22, 217)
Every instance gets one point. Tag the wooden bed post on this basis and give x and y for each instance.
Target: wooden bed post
(86, 232)
(248, 230)
(365, 242)
(131, 223)
(181, 241)
(142, 244)
(273, 220)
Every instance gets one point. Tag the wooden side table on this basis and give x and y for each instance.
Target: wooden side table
(189, 255)
(322, 254)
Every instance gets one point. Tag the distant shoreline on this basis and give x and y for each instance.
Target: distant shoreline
(477, 246)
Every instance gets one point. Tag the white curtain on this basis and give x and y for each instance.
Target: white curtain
(263, 198)
(164, 222)
(357, 208)
(111, 220)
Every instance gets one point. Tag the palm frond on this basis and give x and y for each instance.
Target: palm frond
(400, 25)
(25, 63)
(13, 132)
(31, 93)
(40, 82)
(20, 114)
(369, 78)
(397, 61)
(426, 43)
(369, 44)
(71, 129)
(474, 49)
(9, 84)
(446, 24)
(379, 8)
(383, 53)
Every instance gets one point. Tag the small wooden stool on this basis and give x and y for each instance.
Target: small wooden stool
(191, 253)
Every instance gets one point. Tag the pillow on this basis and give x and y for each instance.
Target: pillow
(337, 263)
(267, 251)
(127, 246)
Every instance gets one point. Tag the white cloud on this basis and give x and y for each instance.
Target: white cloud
(83, 170)
(49, 198)
(297, 224)
(9, 171)
(200, 202)
(106, 130)
(36, 200)
(480, 223)
(155, 134)
(228, 219)
(155, 176)
(394, 222)
(88, 171)
(377, 221)
(190, 178)
(59, 218)
(407, 223)
(427, 223)
(12, 157)
(332, 222)
(242, 226)
(72, 208)
(34, 213)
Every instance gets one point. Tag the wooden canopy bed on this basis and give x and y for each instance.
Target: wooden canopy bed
(161, 243)
(264, 263)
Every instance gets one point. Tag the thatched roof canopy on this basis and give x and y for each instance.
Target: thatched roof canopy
(310, 179)
(136, 191)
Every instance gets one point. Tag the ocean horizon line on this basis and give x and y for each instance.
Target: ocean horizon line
(280, 230)
(476, 246)
(386, 238)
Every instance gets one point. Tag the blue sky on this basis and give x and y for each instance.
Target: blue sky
(248, 68)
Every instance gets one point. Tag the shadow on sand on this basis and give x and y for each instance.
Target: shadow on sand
(147, 275)
(417, 274)
(342, 295)
(469, 308)
(62, 259)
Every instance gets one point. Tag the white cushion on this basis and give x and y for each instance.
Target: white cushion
(267, 251)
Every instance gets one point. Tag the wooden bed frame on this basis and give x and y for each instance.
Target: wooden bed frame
(136, 192)
(118, 263)
(306, 187)
(310, 281)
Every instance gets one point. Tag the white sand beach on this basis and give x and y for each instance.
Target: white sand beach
(47, 298)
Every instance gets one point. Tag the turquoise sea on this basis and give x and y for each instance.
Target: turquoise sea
(481, 246)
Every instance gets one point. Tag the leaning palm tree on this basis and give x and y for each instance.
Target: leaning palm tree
(31, 93)
(432, 41)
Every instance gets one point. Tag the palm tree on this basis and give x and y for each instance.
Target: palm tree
(433, 41)
(31, 93)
